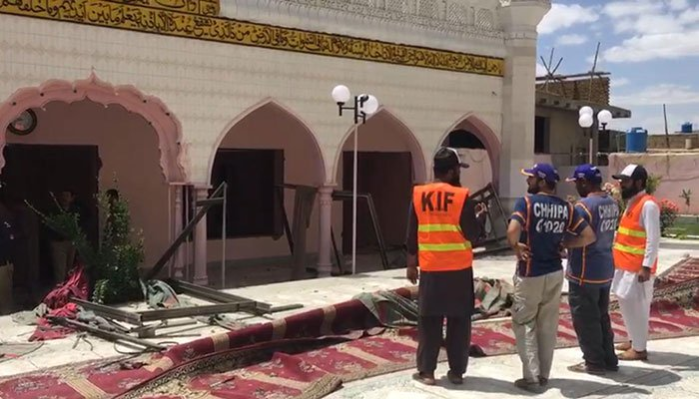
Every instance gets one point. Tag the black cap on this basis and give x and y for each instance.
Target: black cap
(447, 157)
(633, 172)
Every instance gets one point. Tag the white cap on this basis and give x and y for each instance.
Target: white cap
(632, 171)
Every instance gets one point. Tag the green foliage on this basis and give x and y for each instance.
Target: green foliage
(113, 264)
(653, 184)
(116, 278)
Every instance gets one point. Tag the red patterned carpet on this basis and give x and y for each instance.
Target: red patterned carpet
(309, 355)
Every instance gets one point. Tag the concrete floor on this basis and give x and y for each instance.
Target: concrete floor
(668, 374)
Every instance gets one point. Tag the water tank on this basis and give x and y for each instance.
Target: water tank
(636, 140)
(687, 127)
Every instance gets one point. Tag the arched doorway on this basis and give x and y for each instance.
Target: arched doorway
(88, 134)
(390, 162)
(265, 147)
(479, 147)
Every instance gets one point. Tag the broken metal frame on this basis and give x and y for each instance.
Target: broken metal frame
(346, 196)
(485, 195)
(214, 199)
(224, 303)
(105, 334)
(212, 295)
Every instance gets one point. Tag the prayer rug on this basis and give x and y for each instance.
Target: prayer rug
(307, 355)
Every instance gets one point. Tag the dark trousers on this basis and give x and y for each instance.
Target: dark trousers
(589, 306)
(458, 343)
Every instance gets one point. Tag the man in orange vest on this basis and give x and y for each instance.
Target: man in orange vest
(443, 224)
(636, 249)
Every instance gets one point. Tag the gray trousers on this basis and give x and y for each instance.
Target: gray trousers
(535, 322)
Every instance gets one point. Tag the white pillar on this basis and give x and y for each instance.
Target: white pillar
(179, 255)
(201, 276)
(519, 21)
(324, 236)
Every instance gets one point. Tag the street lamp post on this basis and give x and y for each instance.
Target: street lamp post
(587, 119)
(364, 105)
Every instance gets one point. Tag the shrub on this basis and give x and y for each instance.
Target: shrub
(113, 264)
(668, 214)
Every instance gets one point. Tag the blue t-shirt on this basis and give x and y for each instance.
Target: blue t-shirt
(594, 264)
(545, 220)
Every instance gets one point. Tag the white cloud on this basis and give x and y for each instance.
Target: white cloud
(660, 29)
(571, 40)
(658, 95)
(678, 5)
(540, 70)
(648, 47)
(689, 16)
(619, 9)
(562, 16)
(619, 82)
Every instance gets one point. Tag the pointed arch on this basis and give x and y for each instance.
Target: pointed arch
(411, 141)
(477, 126)
(152, 109)
(287, 112)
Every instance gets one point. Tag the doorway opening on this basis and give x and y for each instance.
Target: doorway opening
(37, 174)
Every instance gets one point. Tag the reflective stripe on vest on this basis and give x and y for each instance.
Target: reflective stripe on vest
(441, 243)
(630, 241)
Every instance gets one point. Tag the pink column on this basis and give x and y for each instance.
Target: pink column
(324, 239)
(179, 255)
(200, 242)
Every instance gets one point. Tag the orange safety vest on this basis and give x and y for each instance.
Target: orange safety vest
(630, 240)
(441, 243)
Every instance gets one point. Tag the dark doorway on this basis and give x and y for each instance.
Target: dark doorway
(388, 177)
(33, 172)
(252, 208)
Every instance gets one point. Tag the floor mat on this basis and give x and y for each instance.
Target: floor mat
(306, 356)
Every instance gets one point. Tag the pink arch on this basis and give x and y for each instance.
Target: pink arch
(419, 164)
(166, 125)
(485, 134)
(267, 102)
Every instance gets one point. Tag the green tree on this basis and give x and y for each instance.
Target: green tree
(113, 264)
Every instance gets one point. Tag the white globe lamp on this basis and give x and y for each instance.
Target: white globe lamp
(586, 110)
(371, 105)
(585, 121)
(341, 94)
(604, 117)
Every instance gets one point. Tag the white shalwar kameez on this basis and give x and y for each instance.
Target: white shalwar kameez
(635, 297)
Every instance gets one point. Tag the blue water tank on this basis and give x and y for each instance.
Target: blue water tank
(636, 140)
(687, 127)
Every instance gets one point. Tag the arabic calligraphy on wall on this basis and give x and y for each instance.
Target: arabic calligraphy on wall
(126, 14)
(199, 7)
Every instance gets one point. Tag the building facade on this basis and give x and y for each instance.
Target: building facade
(173, 96)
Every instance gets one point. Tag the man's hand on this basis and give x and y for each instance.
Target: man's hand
(562, 251)
(412, 274)
(522, 251)
(644, 275)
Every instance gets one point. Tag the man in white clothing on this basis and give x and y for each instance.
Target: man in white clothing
(636, 259)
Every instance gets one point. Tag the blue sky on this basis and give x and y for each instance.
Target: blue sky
(651, 48)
